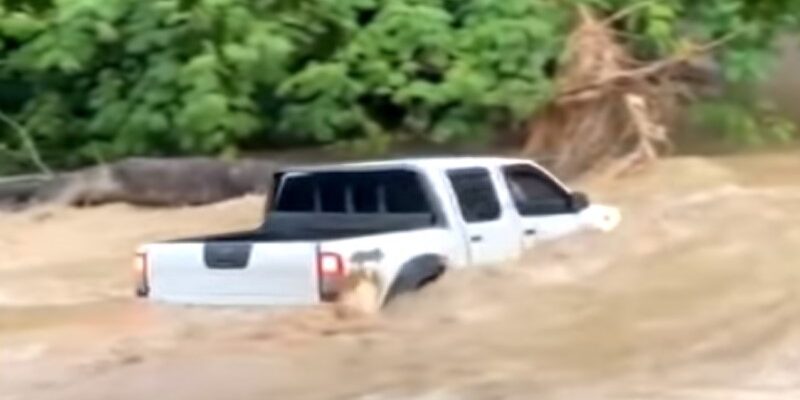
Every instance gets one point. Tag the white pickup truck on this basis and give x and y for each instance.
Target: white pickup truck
(407, 221)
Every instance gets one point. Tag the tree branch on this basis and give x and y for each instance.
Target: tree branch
(29, 144)
(650, 69)
(625, 12)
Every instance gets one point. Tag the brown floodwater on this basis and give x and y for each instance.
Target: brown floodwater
(695, 296)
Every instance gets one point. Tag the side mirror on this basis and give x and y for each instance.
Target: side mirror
(578, 201)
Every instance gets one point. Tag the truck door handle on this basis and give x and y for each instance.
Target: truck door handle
(530, 232)
(476, 239)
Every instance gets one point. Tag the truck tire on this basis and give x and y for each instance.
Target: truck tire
(416, 274)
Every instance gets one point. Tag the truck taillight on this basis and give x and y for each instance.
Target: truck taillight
(330, 270)
(140, 275)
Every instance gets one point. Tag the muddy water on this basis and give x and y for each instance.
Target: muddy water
(694, 297)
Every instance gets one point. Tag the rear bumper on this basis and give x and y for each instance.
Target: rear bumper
(238, 300)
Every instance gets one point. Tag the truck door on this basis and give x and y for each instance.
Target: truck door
(545, 206)
(491, 232)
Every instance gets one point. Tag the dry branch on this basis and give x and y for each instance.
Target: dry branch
(611, 110)
(649, 70)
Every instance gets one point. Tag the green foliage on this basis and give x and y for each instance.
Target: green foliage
(108, 78)
(743, 117)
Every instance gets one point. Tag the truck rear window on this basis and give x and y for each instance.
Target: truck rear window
(388, 191)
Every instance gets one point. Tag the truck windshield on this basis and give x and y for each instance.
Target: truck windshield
(395, 191)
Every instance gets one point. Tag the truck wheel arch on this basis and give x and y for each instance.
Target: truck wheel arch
(415, 274)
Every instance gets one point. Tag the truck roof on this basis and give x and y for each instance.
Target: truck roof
(425, 163)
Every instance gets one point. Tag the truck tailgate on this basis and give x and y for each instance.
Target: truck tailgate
(233, 273)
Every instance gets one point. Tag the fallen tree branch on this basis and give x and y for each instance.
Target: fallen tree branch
(651, 69)
(153, 182)
(23, 178)
(17, 191)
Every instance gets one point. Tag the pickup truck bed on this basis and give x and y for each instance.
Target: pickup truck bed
(288, 227)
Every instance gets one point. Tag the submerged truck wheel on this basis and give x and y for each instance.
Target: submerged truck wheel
(416, 274)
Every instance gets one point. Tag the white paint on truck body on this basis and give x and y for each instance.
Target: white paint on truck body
(286, 273)
(276, 273)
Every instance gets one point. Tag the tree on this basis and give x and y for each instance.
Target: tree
(110, 78)
(624, 75)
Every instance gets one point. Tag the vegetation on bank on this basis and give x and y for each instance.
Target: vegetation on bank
(90, 80)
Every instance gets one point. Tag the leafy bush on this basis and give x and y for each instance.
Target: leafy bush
(107, 78)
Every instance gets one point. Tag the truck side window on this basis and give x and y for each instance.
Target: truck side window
(403, 193)
(366, 196)
(476, 195)
(297, 194)
(368, 192)
(534, 193)
(332, 193)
